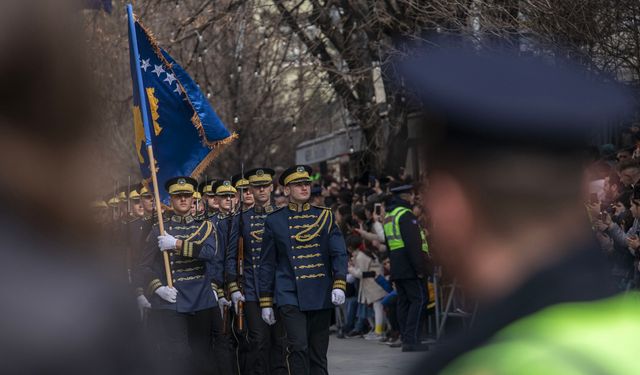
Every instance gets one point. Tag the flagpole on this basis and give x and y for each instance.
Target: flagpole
(147, 135)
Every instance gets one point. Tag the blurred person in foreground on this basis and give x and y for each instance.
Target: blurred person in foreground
(499, 129)
(61, 312)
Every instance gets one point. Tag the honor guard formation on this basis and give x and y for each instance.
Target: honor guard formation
(252, 274)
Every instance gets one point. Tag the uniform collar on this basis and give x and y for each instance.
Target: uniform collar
(263, 209)
(299, 207)
(182, 219)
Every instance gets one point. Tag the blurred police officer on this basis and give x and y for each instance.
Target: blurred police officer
(504, 144)
(302, 270)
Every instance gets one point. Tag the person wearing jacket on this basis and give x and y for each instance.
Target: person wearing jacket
(407, 251)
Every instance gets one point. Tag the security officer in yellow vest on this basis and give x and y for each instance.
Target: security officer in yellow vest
(505, 145)
(407, 253)
(302, 270)
(182, 315)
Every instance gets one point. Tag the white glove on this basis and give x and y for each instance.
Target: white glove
(167, 242)
(337, 297)
(167, 294)
(143, 302)
(235, 298)
(268, 316)
(222, 302)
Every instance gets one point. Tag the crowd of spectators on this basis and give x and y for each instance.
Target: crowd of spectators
(614, 205)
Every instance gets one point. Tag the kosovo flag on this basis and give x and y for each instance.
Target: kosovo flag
(186, 133)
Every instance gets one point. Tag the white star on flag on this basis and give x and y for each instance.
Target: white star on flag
(170, 78)
(145, 64)
(178, 89)
(158, 70)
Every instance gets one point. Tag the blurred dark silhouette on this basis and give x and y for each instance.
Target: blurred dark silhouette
(61, 311)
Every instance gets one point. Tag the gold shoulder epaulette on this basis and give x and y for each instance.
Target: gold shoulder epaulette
(321, 207)
(275, 209)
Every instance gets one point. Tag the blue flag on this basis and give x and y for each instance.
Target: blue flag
(185, 131)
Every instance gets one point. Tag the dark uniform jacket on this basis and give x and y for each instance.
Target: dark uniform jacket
(408, 262)
(303, 258)
(251, 223)
(193, 267)
(580, 276)
(227, 237)
(138, 230)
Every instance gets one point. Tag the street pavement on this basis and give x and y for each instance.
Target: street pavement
(356, 356)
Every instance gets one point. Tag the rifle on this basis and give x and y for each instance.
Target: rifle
(225, 319)
(129, 216)
(240, 262)
(225, 310)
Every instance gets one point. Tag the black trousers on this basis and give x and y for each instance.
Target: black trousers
(182, 341)
(267, 343)
(411, 308)
(307, 339)
(223, 350)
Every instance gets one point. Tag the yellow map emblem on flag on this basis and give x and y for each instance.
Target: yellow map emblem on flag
(138, 125)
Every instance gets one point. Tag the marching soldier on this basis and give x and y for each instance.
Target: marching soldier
(267, 344)
(146, 198)
(223, 192)
(100, 211)
(407, 251)
(302, 269)
(242, 185)
(138, 230)
(136, 209)
(182, 315)
(204, 188)
(197, 209)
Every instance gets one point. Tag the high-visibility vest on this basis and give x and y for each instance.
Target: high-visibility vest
(596, 337)
(392, 230)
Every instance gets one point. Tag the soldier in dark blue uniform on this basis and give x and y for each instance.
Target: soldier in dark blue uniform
(138, 230)
(223, 191)
(302, 268)
(222, 221)
(182, 315)
(266, 343)
(209, 197)
(244, 193)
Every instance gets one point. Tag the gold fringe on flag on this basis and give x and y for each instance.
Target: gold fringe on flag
(215, 146)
